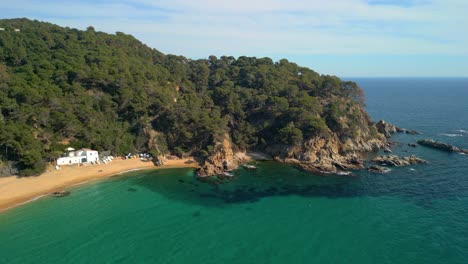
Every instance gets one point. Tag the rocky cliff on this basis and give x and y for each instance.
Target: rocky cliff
(386, 128)
(329, 153)
(222, 159)
(343, 146)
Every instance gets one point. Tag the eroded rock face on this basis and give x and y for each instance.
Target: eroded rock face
(223, 159)
(386, 128)
(394, 160)
(332, 151)
(328, 154)
(8, 169)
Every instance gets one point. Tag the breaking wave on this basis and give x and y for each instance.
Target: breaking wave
(452, 135)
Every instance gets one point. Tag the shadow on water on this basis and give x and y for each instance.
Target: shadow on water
(275, 180)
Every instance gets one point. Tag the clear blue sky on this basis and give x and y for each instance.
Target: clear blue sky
(339, 37)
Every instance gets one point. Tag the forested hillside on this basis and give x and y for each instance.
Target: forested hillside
(65, 87)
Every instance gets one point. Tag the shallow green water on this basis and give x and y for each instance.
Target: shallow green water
(167, 216)
(276, 214)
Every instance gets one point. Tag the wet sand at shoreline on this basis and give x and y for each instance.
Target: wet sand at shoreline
(16, 191)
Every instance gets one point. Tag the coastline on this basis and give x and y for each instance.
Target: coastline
(18, 191)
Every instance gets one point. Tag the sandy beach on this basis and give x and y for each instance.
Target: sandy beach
(16, 191)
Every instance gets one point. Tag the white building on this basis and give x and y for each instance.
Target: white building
(78, 157)
(2, 29)
(17, 30)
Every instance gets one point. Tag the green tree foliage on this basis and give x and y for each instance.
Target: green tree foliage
(62, 86)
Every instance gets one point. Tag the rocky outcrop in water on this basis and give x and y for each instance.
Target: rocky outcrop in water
(59, 194)
(388, 129)
(395, 161)
(378, 169)
(223, 159)
(408, 131)
(442, 146)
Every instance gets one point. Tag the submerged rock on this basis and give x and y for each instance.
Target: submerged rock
(394, 160)
(442, 146)
(378, 169)
(59, 194)
(407, 131)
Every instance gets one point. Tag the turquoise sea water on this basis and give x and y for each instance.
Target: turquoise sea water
(276, 214)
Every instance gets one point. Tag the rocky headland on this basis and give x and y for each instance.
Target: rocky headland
(333, 151)
(327, 153)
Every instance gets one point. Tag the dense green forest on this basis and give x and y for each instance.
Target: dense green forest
(66, 87)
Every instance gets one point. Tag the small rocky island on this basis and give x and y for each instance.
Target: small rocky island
(441, 146)
(395, 161)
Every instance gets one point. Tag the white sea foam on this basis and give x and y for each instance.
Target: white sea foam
(122, 172)
(462, 131)
(452, 135)
(81, 183)
(25, 202)
(343, 173)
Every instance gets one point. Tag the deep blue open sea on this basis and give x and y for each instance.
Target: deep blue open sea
(276, 214)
